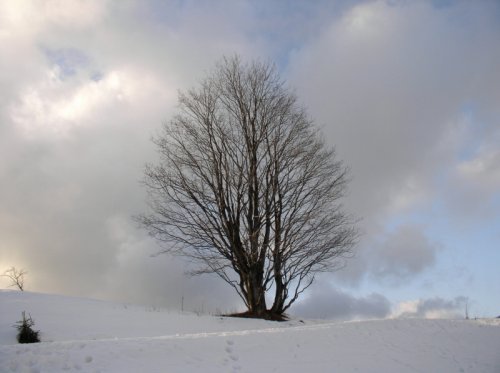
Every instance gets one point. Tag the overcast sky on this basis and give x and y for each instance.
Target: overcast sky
(407, 91)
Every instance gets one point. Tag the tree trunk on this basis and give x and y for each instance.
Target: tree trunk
(279, 296)
(255, 293)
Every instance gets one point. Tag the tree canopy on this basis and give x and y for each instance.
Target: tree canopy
(247, 187)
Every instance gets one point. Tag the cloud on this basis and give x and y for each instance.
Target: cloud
(391, 258)
(403, 254)
(67, 60)
(433, 308)
(76, 144)
(393, 84)
(484, 169)
(159, 280)
(86, 83)
(388, 91)
(327, 302)
(475, 189)
(54, 106)
(70, 13)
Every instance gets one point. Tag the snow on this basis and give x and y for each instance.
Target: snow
(95, 336)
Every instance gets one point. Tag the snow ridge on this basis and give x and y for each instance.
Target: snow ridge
(93, 336)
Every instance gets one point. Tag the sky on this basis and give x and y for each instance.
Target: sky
(408, 92)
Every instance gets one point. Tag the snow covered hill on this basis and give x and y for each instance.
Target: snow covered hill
(94, 336)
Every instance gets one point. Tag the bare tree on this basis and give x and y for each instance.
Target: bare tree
(247, 188)
(16, 277)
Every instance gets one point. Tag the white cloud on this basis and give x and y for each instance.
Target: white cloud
(482, 171)
(432, 308)
(474, 186)
(74, 13)
(49, 13)
(55, 106)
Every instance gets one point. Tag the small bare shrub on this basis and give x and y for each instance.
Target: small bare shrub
(26, 334)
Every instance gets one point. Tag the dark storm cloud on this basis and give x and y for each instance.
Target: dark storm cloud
(327, 302)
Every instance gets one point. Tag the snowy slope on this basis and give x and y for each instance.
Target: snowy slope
(94, 336)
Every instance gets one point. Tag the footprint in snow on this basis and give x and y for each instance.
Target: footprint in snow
(232, 356)
(229, 348)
